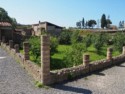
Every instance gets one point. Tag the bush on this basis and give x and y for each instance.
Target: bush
(73, 57)
(98, 41)
(53, 45)
(35, 48)
(87, 41)
(119, 41)
(75, 38)
(65, 37)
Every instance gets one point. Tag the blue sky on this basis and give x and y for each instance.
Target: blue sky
(63, 12)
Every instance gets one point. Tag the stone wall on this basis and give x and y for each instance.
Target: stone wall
(43, 73)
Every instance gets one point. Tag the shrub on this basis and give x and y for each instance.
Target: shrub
(53, 45)
(35, 48)
(119, 41)
(75, 38)
(65, 37)
(87, 41)
(73, 57)
(98, 41)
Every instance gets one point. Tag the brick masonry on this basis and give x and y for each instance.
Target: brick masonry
(45, 59)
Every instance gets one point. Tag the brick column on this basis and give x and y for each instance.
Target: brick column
(3, 39)
(109, 53)
(16, 48)
(26, 50)
(86, 60)
(11, 44)
(45, 59)
(123, 51)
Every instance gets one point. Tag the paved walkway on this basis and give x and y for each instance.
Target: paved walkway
(15, 80)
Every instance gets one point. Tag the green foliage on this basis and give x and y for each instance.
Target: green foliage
(35, 48)
(91, 23)
(98, 41)
(39, 84)
(87, 41)
(53, 45)
(119, 41)
(4, 17)
(83, 23)
(103, 21)
(75, 38)
(73, 57)
(65, 37)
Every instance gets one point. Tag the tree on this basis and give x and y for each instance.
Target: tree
(65, 37)
(108, 23)
(78, 24)
(91, 23)
(103, 21)
(4, 17)
(83, 23)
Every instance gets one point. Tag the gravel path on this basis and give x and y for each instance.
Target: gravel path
(15, 80)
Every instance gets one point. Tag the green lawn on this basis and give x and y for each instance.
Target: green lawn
(58, 57)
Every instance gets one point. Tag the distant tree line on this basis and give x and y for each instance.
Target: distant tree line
(105, 23)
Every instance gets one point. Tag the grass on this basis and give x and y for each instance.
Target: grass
(58, 57)
(61, 51)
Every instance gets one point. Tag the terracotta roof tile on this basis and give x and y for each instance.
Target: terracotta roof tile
(5, 24)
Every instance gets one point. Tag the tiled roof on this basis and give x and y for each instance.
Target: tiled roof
(4, 24)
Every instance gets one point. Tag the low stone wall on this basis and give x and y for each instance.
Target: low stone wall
(32, 68)
(67, 73)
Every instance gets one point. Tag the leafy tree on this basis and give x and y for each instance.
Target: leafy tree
(65, 37)
(91, 23)
(103, 21)
(73, 57)
(108, 21)
(35, 48)
(4, 17)
(78, 24)
(119, 41)
(98, 41)
(83, 23)
(75, 37)
(87, 41)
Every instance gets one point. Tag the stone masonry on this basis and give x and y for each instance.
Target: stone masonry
(26, 50)
(86, 60)
(109, 53)
(45, 59)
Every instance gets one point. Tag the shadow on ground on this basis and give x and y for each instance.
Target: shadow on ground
(72, 89)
